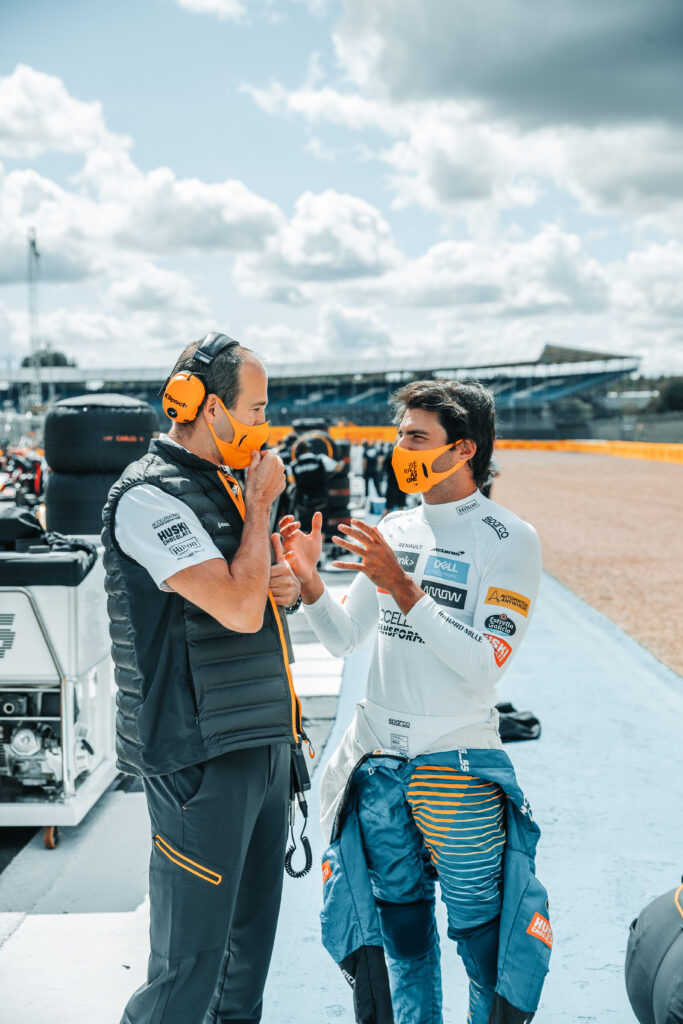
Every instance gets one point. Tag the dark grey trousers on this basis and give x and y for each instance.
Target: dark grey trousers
(219, 832)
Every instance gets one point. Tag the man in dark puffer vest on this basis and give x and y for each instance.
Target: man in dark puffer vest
(206, 709)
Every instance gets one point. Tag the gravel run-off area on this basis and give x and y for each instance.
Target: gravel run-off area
(611, 529)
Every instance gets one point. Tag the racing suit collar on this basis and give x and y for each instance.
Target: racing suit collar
(452, 511)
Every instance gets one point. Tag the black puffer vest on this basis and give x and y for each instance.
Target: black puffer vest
(188, 688)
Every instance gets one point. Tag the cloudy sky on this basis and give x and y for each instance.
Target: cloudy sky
(326, 178)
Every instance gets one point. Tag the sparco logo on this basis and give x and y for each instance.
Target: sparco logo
(7, 634)
(399, 723)
(495, 525)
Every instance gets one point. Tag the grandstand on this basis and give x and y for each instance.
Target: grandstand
(533, 395)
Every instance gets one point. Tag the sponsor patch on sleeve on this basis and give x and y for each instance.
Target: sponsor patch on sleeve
(508, 599)
(501, 624)
(327, 871)
(501, 648)
(540, 929)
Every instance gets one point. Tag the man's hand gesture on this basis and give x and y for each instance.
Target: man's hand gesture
(378, 562)
(302, 550)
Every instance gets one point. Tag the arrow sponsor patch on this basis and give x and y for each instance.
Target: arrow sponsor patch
(443, 593)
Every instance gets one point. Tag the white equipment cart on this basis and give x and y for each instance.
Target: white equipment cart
(56, 688)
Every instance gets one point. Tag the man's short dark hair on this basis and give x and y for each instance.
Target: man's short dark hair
(222, 375)
(465, 409)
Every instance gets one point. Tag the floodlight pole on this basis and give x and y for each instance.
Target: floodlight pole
(35, 393)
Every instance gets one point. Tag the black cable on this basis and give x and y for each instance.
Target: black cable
(308, 864)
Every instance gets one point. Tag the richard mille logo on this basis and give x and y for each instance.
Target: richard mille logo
(7, 634)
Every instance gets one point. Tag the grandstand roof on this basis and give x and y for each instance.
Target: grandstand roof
(551, 360)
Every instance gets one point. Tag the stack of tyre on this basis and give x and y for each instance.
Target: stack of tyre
(89, 441)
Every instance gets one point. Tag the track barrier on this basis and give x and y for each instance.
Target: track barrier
(649, 450)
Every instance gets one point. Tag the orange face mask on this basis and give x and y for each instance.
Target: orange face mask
(413, 469)
(237, 453)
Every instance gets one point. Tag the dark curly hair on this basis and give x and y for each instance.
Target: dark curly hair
(465, 409)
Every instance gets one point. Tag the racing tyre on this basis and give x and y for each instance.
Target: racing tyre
(97, 433)
(74, 501)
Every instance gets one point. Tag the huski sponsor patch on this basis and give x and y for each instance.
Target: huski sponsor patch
(469, 507)
(501, 648)
(501, 624)
(500, 528)
(407, 560)
(508, 599)
(540, 929)
(176, 531)
(443, 593)
(449, 569)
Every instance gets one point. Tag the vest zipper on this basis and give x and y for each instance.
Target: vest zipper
(226, 480)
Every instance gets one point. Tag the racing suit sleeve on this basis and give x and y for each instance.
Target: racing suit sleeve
(341, 627)
(508, 588)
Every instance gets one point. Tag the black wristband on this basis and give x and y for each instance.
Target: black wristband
(293, 608)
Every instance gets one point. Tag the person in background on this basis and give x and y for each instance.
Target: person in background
(371, 473)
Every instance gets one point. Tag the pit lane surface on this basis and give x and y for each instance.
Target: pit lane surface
(603, 782)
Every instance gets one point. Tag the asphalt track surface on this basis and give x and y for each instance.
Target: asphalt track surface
(603, 781)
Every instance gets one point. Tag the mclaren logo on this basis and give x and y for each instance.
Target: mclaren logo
(7, 634)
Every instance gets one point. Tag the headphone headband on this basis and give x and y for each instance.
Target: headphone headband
(185, 392)
(212, 345)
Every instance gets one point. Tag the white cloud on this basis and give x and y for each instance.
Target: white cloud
(332, 237)
(148, 287)
(234, 10)
(571, 61)
(226, 10)
(37, 115)
(70, 228)
(340, 332)
(113, 208)
(97, 337)
(500, 277)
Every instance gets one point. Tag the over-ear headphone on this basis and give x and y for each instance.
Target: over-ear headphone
(184, 392)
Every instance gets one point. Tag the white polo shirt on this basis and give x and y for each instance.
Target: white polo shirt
(161, 532)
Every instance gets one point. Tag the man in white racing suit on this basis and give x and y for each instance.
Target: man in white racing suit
(449, 588)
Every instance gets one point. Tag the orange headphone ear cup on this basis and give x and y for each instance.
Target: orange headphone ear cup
(183, 397)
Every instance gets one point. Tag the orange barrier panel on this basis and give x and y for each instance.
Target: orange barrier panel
(651, 450)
